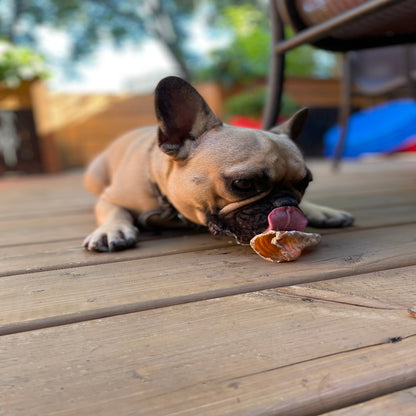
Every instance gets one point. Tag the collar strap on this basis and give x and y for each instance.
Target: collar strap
(165, 217)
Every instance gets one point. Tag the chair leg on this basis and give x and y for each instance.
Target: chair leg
(408, 68)
(276, 75)
(345, 108)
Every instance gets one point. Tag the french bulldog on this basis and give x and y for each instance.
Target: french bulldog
(194, 169)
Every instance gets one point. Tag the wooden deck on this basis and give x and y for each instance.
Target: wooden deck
(196, 325)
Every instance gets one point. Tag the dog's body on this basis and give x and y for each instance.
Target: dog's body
(193, 169)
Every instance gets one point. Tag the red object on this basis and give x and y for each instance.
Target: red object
(247, 122)
(409, 145)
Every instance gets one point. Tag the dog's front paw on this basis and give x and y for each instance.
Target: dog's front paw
(112, 237)
(325, 217)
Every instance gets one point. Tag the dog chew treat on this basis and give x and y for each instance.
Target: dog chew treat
(281, 246)
(412, 312)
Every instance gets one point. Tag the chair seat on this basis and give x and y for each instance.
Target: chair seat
(382, 71)
(392, 24)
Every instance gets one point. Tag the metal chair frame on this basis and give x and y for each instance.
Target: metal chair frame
(319, 35)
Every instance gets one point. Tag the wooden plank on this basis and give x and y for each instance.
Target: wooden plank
(39, 196)
(312, 92)
(64, 192)
(17, 98)
(306, 389)
(84, 124)
(40, 229)
(393, 288)
(384, 216)
(401, 403)
(69, 253)
(361, 184)
(377, 172)
(57, 224)
(46, 196)
(307, 348)
(397, 213)
(352, 187)
(367, 199)
(246, 354)
(34, 254)
(47, 207)
(39, 201)
(51, 298)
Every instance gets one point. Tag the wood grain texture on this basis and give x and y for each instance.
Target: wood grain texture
(99, 291)
(394, 288)
(203, 356)
(187, 324)
(69, 253)
(401, 403)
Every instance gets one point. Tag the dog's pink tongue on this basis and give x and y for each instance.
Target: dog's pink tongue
(287, 218)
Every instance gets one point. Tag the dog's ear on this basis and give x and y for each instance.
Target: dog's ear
(294, 125)
(183, 116)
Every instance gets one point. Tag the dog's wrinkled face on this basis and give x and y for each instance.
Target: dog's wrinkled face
(252, 215)
(228, 178)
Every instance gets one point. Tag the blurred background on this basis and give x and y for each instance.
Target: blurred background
(74, 74)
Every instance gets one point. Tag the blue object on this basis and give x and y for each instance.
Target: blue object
(379, 129)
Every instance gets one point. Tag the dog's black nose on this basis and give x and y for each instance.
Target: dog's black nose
(284, 198)
(287, 202)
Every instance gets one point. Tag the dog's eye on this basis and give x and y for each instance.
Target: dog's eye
(303, 184)
(246, 186)
(243, 185)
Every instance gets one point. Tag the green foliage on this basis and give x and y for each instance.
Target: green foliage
(244, 58)
(248, 103)
(90, 22)
(251, 103)
(301, 61)
(19, 64)
(246, 55)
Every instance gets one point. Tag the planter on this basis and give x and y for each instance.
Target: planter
(23, 147)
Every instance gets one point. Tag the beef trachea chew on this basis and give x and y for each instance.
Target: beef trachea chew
(283, 246)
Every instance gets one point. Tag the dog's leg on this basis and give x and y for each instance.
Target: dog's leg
(96, 177)
(325, 217)
(116, 230)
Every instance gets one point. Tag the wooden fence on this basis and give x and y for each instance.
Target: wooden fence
(81, 125)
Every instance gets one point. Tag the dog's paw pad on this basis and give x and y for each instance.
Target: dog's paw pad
(121, 243)
(330, 218)
(96, 242)
(112, 238)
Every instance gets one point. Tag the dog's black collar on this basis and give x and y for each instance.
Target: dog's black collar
(165, 217)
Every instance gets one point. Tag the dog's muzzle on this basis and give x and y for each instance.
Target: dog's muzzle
(254, 218)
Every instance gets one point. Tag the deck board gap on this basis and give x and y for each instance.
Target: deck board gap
(131, 308)
(100, 261)
(321, 357)
(337, 302)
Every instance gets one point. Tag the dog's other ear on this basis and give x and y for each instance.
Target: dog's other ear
(183, 116)
(293, 127)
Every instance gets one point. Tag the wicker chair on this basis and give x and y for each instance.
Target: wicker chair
(338, 26)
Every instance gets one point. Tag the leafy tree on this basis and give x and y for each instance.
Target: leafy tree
(88, 22)
(246, 54)
(245, 58)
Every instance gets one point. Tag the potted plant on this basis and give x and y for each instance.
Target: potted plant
(19, 64)
(21, 72)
